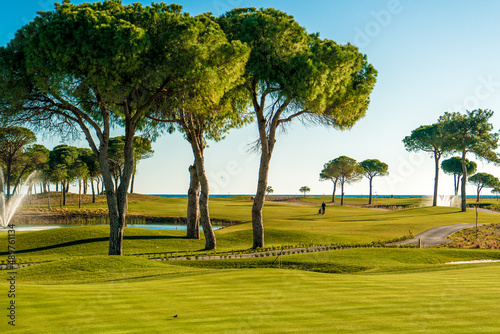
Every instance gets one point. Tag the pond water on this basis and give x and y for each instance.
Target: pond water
(168, 227)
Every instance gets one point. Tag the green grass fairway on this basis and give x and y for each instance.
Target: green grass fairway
(458, 300)
(74, 287)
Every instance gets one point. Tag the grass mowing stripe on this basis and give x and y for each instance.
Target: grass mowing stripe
(463, 300)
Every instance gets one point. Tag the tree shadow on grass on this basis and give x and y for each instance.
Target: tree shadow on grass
(89, 241)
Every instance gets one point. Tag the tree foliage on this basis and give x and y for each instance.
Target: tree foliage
(371, 169)
(13, 141)
(432, 139)
(93, 66)
(295, 75)
(470, 133)
(330, 173)
(484, 180)
(304, 190)
(453, 166)
(348, 170)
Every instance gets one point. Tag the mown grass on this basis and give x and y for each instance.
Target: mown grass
(78, 289)
(458, 300)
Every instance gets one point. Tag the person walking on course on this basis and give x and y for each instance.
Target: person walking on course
(323, 207)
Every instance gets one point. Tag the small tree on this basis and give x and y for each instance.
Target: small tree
(13, 140)
(431, 139)
(304, 189)
(330, 173)
(496, 191)
(269, 190)
(349, 170)
(470, 132)
(484, 180)
(453, 166)
(372, 168)
(61, 160)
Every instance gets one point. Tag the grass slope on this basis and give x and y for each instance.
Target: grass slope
(459, 300)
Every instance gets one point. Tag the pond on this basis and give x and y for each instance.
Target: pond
(168, 227)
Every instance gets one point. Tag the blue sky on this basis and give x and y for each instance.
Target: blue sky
(432, 57)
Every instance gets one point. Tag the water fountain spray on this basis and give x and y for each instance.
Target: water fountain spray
(8, 208)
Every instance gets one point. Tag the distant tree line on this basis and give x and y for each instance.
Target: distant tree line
(470, 132)
(20, 157)
(344, 170)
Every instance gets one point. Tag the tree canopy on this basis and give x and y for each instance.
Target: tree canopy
(330, 173)
(453, 166)
(295, 75)
(348, 170)
(13, 141)
(93, 66)
(431, 139)
(371, 169)
(470, 133)
(484, 180)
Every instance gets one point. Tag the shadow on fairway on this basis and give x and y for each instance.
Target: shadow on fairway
(89, 241)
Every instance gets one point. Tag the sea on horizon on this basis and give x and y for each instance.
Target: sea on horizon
(299, 195)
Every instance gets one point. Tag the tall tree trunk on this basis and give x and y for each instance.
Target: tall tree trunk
(371, 188)
(9, 170)
(193, 227)
(456, 182)
(79, 194)
(93, 191)
(85, 185)
(63, 189)
(258, 203)
(117, 201)
(334, 189)
(210, 241)
(132, 183)
(464, 182)
(342, 192)
(437, 156)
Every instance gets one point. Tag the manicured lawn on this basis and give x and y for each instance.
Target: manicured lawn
(76, 288)
(458, 300)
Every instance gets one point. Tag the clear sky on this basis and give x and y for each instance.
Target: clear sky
(431, 56)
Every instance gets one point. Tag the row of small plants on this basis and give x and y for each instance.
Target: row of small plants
(268, 251)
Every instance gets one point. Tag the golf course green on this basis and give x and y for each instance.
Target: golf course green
(72, 286)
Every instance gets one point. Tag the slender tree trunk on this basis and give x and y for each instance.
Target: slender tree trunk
(342, 191)
(258, 203)
(93, 191)
(79, 194)
(193, 209)
(9, 170)
(334, 189)
(437, 156)
(48, 199)
(456, 181)
(464, 182)
(371, 188)
(478, 192)
(64, 192)
(117, 201)
(210, 241)
(132, 183)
